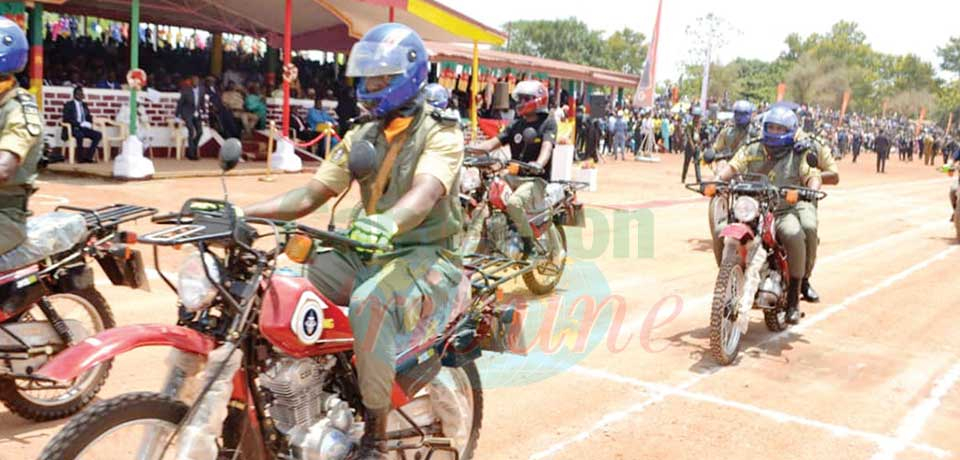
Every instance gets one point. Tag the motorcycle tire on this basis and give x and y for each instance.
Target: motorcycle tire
(776, 320)
(724, 334)
(956, 221)
(104, 416)
(473, 375)
(12, 397)
(530, 278)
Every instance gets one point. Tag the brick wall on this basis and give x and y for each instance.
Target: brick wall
(105, 103)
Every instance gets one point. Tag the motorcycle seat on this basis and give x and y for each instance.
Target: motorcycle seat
(47, 235)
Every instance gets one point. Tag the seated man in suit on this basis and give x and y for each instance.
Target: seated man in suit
(77, 114)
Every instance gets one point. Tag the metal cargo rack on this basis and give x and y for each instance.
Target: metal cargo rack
(110, 216)
(487, 273)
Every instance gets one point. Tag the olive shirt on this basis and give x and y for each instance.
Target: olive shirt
(825, 160)
(791, 169)
(20, 131)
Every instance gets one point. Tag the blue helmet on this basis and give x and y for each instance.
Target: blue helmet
(389, 49)
(781, 116)
(742, 111)
(13, 47)
(436, 95)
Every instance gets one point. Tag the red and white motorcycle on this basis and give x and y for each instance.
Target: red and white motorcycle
(264, 368)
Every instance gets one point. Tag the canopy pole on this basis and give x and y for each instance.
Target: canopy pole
(36, 52)
(286, 63)
(216, 55)
(474, 83)
(134, 60)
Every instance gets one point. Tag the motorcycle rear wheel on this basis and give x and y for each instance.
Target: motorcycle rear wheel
(776, 319)
(724, 333)
(17, 395)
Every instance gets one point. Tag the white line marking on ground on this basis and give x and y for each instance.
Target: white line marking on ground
(822, 315)
(912, 424)
(781, 417)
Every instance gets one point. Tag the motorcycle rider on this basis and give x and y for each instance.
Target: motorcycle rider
(733, 136)
(528, 190)
(20, 129)
(407, 293)
(774, 155)
(691, 152)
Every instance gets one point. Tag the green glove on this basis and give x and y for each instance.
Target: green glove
(377, 229)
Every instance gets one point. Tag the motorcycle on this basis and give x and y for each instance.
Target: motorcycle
(276, 357)
(717, 210)
(484, 191)
(754, 271)
(48, 302)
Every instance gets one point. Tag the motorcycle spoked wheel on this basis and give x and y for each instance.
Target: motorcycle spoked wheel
(724, 333)
(717, 216)
(545, 276)
(40, 401)
(776, 319)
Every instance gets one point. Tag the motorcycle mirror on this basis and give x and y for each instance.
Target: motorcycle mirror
(363, 160)
(230, 153)
(812, 160)
(709, 155)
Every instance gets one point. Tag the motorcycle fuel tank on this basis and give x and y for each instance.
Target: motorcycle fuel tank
(301, 322)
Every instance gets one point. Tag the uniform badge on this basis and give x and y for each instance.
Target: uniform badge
(518, 138)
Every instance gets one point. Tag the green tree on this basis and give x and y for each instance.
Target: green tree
(568, 40)
(950, 55)
(625, 51)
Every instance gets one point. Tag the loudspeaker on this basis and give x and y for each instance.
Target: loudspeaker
(598, 105)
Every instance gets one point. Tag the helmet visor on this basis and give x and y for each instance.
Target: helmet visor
(371, 59)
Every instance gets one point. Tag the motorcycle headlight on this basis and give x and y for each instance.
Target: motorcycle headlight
(745, 209)
(196, 291)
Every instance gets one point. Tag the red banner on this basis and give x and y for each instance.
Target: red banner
(644, 95)
(781, 91)
(949, 123)
(923, 114)
(491, 127)
(843, 106)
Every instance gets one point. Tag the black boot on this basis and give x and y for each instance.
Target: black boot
(529, 246)
(808, 293)
(793, 301)
(373, 443)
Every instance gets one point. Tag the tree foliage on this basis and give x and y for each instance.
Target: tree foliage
(950, 55)
(571, 40)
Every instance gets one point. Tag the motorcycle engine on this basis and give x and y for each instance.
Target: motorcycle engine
(503, 238)
(318, 425)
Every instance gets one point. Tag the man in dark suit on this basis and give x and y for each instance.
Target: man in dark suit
(882, 145)
(188, 110)
(77, 114)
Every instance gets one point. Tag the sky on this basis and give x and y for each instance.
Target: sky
(761, 26)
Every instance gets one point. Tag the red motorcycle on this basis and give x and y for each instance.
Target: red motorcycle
(484, 190)
(263, 364)
(754, 272)
(48, 302)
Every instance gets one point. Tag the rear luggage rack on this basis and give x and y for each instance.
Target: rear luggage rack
(110, 216)
(487, 273)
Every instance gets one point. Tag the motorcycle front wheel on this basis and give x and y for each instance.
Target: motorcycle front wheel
(42, 401)
(717, 216)
(724, 333)
(548, 270)
(131, 426)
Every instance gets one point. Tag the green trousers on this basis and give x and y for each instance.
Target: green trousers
(790, 235)
(13, 229)
(528, 195)
(397, 302)
(807, 212)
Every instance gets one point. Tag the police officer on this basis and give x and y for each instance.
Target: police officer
(775, 156)
(528, 188)
(691, 152)
(20, 131)
(436, 95)
(733, 136)
(410, 202)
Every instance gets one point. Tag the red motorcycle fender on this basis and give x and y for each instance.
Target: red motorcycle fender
(79, 358)
(737, 231)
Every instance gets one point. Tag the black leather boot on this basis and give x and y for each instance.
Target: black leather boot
(373, 443)
(808, 293)
(793, 301)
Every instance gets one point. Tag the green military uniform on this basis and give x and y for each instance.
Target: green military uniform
(404, 298)
(791, 169)
(20, 131)
(730, 138)
(691, 152)
(808, 211)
